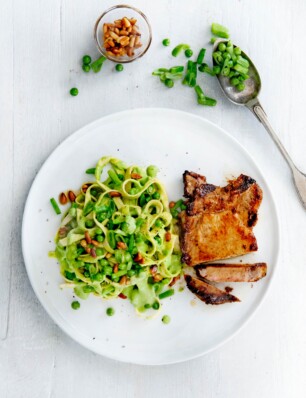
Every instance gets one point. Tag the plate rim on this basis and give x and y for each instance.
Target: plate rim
(82, 131)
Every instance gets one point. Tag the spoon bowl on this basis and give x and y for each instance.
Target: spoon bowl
(252, 85)
(249, 98)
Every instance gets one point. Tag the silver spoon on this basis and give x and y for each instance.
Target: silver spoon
(249, 98)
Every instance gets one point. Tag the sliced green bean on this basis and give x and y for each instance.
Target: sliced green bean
(201, 56)
(55, 206)
(179, 48)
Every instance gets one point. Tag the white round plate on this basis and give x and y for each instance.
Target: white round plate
(174, 141)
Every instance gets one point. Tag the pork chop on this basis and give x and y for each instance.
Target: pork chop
(232, 272)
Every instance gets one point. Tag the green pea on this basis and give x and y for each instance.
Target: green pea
(119, 67)
(169, 83)
(98, 277)
(110, 311)
(152, 171)
(99, 238)
(86, 59)
(99, 231)
(226, 55)
(166, 42)
(234, 81)
(89, 223)
(74, 92)
(156, 195)
(103, 262)
(155, 305)
(86, 68)
(159, 223)
(222, 47)
(166, 319)
(188, 53)
(240, 86)
(75, 305)
(99, 252)
(147, 306)
(237, 51)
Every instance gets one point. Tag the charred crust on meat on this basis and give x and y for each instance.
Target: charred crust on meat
(185, 259)
(204, 189)
(242, 183)
(195, 284)
(191, 182)
(252, 219)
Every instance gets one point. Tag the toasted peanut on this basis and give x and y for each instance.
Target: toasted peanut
(129, 29)
(153, 269)
(138, 45)
(85, 187)
(157, 278)
(111, 43)
(122, 296)
(94, 242)
(138, 258)
(123, 32)
(171, 205)
(174, 280)
(123, 280)
(117, 31)
(106, 35)
(71, 196)
(126, 22)
(87, 237)
(114, 194)
(116, 51)
(137, 40)
(121, 245)
(63, 199)
(133, 21)
(93, 252)
(168, 236)
(134, 30)
(116, 268)
(87, 249)
(136, 176)
(108, 255)
(83, 243)
(132, 41)
(104, 28)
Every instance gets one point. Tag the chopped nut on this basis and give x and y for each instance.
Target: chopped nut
(94, 242)
(114, 36)
(123, 280)
(136, 176)
(126, 22)
(116, 268)
(138, 258)
(121, 245)
(171, 205)
(168, 236)
(108, 255)
(124, 41)
(71, 196)
(132, 41)
(115, 194)
(153, 269)
(174, 280)
(93, 252)
(87, 249)
(83, 243)
(87, 237)
(157, 278)
(63, 199)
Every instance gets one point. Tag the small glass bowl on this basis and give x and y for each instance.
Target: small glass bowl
(118, 12)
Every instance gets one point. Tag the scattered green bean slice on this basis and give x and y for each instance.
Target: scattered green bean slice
(207, 101)
(219, 30)
(55, 206)
(96, 66)
(179, 48)
(167, 293)
(169, 83)
(201, 56)
(91, 171)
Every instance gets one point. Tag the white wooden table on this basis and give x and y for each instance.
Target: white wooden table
(42, 43)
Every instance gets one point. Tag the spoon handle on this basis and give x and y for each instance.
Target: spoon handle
(299, 178)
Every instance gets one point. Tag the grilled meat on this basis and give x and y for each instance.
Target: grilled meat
(232, 272)
(208, 293)
(218, 221)
(191, 182)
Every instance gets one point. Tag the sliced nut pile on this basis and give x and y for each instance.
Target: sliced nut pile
(121, 37)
